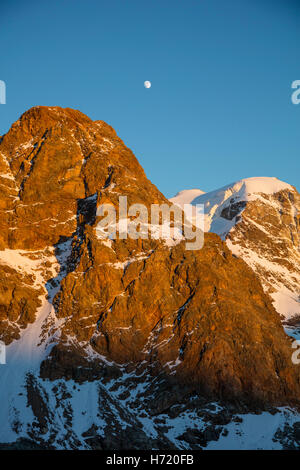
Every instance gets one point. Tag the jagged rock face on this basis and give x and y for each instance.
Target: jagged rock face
(268, 239)
(193, 323)
(118, 316)
(260, 220)
(19, 301)
(51, 159)
(51, 162)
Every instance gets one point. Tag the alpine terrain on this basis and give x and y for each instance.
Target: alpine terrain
(259, 218)
(139, 343)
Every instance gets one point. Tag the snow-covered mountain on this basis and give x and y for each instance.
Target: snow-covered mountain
(186, 196)
(259, 219)
(129, 343)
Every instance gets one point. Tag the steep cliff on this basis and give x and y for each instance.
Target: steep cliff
(105, 336)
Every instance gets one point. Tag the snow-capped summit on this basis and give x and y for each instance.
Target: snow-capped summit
(186, 196)
(259, 219)
(248, 189)
(255, 185)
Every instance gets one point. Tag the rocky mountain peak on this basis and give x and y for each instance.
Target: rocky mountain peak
(52, 158)
(107, 333)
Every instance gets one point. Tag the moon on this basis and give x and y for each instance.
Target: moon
(147, 84)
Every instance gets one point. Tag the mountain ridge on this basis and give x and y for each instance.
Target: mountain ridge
(113, 343)
(253, 215)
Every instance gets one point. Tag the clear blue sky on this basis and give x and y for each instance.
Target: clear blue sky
(221, 70)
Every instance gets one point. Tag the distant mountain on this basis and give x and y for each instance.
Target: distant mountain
(259, 218)
(130, 344)
(186, 196)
